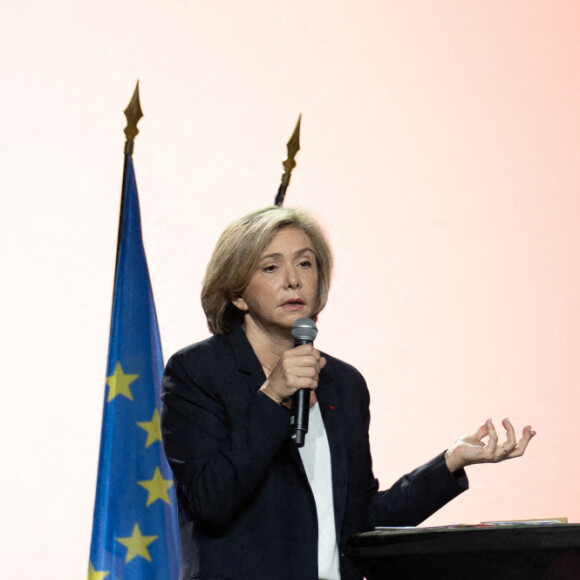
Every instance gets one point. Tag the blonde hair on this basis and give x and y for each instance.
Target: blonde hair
(236, 256)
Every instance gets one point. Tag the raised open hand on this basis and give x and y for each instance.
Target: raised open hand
(471, 449)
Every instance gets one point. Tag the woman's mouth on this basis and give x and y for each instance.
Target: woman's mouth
(293, 304)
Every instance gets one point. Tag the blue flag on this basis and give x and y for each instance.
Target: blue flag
(135, 520)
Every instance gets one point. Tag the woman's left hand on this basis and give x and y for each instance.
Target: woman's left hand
(470, 449)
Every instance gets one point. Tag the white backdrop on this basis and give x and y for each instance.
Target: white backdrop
(441, 150)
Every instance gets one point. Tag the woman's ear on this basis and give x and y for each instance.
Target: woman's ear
(240, 303)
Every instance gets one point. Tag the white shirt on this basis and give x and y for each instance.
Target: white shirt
(316, 460)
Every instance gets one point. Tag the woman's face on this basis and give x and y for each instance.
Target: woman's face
(284, 286)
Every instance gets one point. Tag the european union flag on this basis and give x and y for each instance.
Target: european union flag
(135, 522)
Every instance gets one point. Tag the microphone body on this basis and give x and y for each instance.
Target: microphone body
(304, 331)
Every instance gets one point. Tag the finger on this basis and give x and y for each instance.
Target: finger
(307, 361)
(300, 365)
(503, 451)
(305, 349)
(290, 377)
(491, 447)
(481, 432)
(511, 443)
(521, 445)
(322, 362)
(306, 377)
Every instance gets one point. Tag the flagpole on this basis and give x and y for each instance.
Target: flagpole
(133, 114)
(293, 146)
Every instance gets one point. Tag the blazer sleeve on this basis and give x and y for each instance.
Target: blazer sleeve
(219, 443)
(415, 496)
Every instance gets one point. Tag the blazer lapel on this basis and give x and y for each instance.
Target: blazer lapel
(330, 408)
(246, 360)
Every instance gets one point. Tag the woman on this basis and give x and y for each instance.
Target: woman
(251, 505)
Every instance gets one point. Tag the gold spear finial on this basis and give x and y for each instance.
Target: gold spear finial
(293, 146)
(133, 113)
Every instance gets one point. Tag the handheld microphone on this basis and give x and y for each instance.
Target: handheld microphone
(304, 331)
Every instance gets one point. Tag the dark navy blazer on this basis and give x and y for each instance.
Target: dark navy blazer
(246, 510)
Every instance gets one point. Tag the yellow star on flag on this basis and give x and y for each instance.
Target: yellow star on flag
(94, 575)
(119, 383)
(153, 429)
(157, 488)
(136, 544)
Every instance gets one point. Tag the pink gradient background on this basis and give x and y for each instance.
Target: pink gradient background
(441, 150)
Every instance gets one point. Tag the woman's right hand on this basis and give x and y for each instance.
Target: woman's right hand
(298, 368)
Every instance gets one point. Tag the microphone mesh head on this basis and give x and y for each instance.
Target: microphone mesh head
(304, 329)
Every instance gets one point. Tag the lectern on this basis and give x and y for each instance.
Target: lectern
(515, 552)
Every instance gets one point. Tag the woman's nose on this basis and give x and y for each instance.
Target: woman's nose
(293, 278)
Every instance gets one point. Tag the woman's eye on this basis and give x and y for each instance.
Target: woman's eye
(306, 264)
(270, 268)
